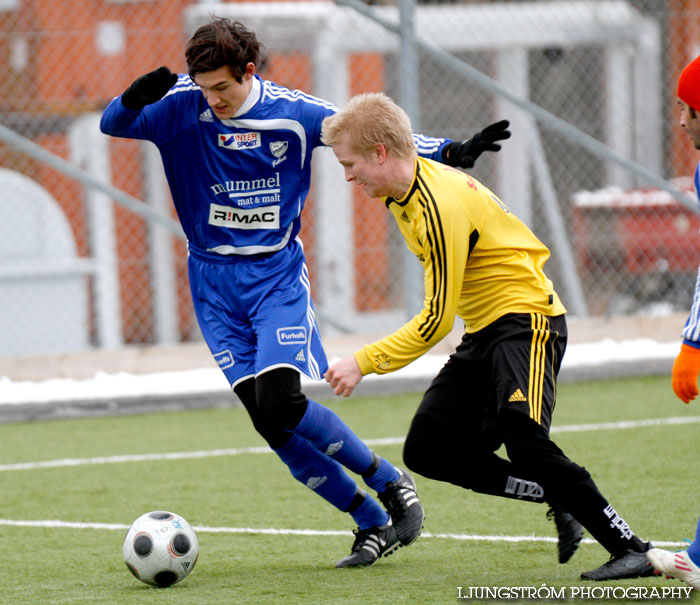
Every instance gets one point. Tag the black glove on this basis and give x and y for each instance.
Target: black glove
(148, 88)
(465, 154)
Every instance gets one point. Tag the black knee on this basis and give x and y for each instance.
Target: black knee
(279, 397)
(421, 451)
(274, 433)
(441, 452)
(529, 446)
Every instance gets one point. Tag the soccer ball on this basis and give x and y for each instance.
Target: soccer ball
(160, 548)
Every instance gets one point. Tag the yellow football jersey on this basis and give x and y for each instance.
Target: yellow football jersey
(480, 262)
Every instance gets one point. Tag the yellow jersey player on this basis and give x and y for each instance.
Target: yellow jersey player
(483, 264)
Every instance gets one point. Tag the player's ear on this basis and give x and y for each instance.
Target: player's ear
(379, 153)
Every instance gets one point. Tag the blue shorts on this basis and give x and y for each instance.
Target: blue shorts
(256, 312)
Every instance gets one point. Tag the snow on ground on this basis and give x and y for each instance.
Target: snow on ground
(211, 380)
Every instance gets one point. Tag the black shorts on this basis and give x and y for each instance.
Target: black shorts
(513, 364)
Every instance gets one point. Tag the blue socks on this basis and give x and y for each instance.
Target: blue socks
(318, 472)
(320, 443)
(370, 514)
(325, 429)
(383, 475)
(327, 478)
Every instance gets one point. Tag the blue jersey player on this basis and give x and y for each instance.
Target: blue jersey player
(237, 152)
(685, 565)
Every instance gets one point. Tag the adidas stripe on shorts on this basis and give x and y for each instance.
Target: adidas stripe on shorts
(512, 363)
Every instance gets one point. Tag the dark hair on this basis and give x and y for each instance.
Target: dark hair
(222, 42)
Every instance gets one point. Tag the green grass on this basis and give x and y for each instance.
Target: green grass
(650, 475)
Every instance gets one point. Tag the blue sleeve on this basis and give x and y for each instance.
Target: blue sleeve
(691, 330)
(119, 121)
(691, 343)
(156, 122)
(430, 147)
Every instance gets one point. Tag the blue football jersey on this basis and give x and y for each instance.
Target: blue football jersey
(238, 185)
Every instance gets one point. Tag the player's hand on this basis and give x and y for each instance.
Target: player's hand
(684, 376)
(465, 154)
(344, 375)
(148, 88)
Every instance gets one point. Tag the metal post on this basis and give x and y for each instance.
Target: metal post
(335, 264)
(409, 71)
(89, 149)
(513, 161)
(576, 300)
(161, 254)
(619, 133)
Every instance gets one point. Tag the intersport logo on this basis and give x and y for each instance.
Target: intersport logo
(238, 141)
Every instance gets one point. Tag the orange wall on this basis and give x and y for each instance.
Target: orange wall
(371, 233)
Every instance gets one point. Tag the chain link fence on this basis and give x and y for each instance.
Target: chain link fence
(78, 269)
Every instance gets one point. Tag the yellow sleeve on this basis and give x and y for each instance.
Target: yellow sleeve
(445, 249)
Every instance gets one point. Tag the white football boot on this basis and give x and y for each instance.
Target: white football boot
(675, 565)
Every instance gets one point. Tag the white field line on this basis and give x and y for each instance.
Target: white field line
(572, 428)
(626, 424)
(55, 523)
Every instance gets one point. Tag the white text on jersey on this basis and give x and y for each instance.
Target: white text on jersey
(267, 217)
(246, 187)
(237, 141)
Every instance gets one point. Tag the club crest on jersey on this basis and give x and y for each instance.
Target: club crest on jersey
(279, 149)
(292, 335)
(240, 140)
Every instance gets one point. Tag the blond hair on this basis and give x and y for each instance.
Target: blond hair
(368, 120)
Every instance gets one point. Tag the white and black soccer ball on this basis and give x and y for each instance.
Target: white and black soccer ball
(160, 548)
